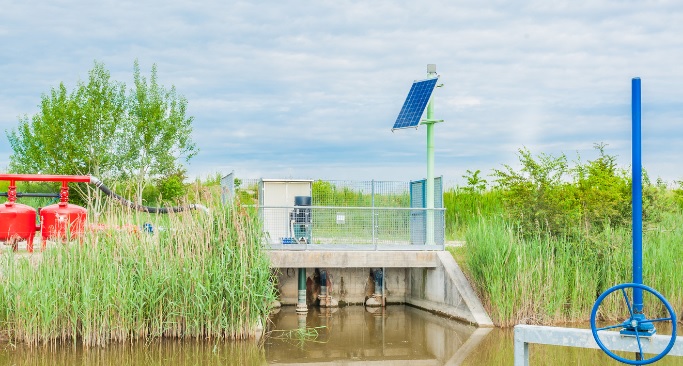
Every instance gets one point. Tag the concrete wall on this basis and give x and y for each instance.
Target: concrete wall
(440, 286)
(445, 290)
(347, 285)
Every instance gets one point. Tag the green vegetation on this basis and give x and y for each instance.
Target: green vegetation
(465, 207)
(330, 194)
(298, 336)
(136, 140)
(547, 239)
(202, 276)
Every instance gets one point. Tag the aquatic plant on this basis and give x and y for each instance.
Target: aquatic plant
(202, 276)
(546, 280)
(298, 336)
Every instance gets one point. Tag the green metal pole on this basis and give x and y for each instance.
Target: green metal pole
(301, 306)
(431, 73)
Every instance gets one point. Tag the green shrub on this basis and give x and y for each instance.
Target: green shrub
(547, 197)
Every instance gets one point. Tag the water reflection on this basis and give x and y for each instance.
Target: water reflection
(394, 336)
(498, 349)
(156, 353)
(398, 335)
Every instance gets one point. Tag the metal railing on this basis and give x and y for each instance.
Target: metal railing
(583, 338)
(332, 227)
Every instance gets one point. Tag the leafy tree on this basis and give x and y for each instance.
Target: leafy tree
(171, 187)
(96, 129)
(159, 132)
(73, 133)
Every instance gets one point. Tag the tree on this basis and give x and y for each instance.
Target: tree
(159, 132)
(73, 133)
(96, 129)
(171, 187)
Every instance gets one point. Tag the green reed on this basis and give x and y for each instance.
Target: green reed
(548, 280)
(204, 276)
(465, 206)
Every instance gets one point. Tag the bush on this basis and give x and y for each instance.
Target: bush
(546, 197)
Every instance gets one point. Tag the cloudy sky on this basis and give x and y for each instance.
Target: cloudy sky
(310, 89)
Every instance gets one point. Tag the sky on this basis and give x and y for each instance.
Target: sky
(311, 89)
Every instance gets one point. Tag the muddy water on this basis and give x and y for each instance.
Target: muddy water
(399, 335)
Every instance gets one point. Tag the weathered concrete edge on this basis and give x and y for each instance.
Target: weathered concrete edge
(470, 308)
(465, 289)
(353, 259)
(442, 309)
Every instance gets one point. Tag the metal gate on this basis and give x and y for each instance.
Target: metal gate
(418, 218)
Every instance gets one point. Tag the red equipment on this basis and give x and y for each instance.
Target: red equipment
(17, 222)
(60, 221)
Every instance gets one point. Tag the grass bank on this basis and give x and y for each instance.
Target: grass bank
(552, 235)
(546, 280)
(204, 276)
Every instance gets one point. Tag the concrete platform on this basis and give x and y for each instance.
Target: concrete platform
(353, 259)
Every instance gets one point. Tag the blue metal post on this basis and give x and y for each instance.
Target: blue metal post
(637, 196)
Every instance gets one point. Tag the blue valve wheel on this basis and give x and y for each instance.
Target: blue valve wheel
(631, 324)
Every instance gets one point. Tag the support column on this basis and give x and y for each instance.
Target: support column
(326, 300)
(377, 298)
(301, 306)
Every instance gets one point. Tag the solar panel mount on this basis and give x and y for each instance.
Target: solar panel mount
(415, 104)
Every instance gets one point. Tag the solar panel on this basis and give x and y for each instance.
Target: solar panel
(415, 104)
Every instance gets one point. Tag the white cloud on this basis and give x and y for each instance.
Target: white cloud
(329, 77)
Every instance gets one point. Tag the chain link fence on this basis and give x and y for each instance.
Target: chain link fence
(342, 212)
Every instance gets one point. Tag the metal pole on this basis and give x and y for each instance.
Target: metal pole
(431, 73)
(637, 196)
(374, 224)
(301, 306)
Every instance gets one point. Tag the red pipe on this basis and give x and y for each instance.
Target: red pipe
(64, 192)
(46, 178)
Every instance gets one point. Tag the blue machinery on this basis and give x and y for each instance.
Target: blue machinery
(637, 325)
(300, 220)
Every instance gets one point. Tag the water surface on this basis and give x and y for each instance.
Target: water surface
(397, 335)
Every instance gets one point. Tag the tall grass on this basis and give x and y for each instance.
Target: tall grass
(549, 238)
(547, 280)
(465, 206)
(205, 276)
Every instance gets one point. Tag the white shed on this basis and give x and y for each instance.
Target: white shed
(276, 199)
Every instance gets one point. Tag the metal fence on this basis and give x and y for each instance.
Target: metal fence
(334, 227)
(346, 214)
(346, 193)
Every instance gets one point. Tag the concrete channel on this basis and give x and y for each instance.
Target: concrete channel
(430, 280)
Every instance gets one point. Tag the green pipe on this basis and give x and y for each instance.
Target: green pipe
(301, 303)
(430, 164)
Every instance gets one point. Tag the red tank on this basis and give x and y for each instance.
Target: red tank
(62, 221)
(17, 222)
